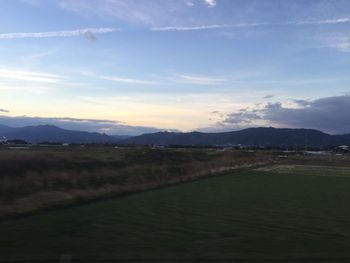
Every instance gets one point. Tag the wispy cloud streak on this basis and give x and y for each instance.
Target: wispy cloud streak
(119, 79)
(335, 21)
(326, 21)
(207, 27)
(201, 80)
(26, 75)
(86, 32)
(127, 80)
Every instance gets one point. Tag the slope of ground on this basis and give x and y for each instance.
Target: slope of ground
(39, 178)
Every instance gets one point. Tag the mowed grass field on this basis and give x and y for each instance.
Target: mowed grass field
(262, 215)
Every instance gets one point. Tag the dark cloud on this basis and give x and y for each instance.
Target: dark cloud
(302, 103)
(331, 114)
(217, 113)
(242, 117)
(91, 125)
(3, 110)
(90, 36)
(268, 96)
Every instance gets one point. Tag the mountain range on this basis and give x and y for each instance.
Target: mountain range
(263, 137)
(50, 133)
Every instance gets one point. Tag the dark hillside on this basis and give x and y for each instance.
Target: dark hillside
(257, 137)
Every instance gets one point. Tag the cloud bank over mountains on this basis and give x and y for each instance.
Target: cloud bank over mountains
(329, 114)
(91, 125)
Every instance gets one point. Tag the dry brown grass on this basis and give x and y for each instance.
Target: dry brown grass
(37, 180)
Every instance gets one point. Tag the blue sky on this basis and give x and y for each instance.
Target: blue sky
(128, 66)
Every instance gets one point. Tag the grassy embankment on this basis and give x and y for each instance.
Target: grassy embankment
(39, 178)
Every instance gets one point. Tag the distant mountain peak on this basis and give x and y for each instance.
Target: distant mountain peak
(51, 133)
(258, 136)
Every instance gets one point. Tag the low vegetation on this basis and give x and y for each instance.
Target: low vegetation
(42, 177)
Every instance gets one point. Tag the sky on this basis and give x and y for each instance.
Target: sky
(136, 66)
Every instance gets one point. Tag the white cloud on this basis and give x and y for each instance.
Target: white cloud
(17, 74)
(127, 80)
(343, 20)
(113, 78)
(86, 32)
(207, 27)
(343, 45)
(199, 80)
(340, 43)
(326, 21)
(188, 28)
(210, 3)
(39, 55)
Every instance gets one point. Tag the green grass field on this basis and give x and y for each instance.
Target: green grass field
(293, 216)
